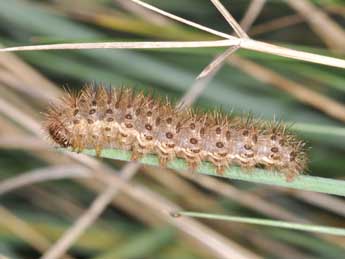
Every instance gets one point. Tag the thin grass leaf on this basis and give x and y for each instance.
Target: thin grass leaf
(302, 182)
(265, 222)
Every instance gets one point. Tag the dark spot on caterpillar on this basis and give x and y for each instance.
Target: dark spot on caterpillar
(274, 149)
(89, 121)
(169, 135)
(109, 111)
(110, 119)
(245, 133)
(171, 145)
(196, 150)
(218, 131)
(128, 116)
(149, 114)
(274, 137)
(107, 129)
(148, 127)
(129, 125)
(193, 141)
(94, 103)
(192, 126)
(92, 111)
(247, 146)
(274, 156)
(148, 137)
(219, 145)
(76, 121)
(169, 120)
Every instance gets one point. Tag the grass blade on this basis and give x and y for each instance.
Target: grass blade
(265, 222)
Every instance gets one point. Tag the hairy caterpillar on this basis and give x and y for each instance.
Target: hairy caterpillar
(98, 117)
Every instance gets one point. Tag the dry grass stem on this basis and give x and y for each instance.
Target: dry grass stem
(328, 30)
(253, 11)
(182, 20)
(324, 201)
(290, 53)
(150, 16)
(231, 20)
(24, 231)
(90, 216)
(204, 78)
(276, 24)
(16, 141)
(128, 45)
(305, 95)
(41, 175)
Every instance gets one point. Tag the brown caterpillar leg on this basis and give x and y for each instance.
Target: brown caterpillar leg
(220, 169)
(163, 161)
(290, 175)
(77, 144)
(193, 165)
(98, 149)
(136, 155)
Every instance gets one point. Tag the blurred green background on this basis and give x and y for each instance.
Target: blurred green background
(28, 80)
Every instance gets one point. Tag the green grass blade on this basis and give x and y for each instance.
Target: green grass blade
(265, 222)
(302, 182)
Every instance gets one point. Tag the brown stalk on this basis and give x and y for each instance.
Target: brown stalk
(305, 95)
(328, 30)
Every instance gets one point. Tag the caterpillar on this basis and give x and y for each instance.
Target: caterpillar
(98, 117)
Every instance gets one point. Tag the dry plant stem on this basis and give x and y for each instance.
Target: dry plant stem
(321, 200)
(228, 17)
(256, 45)
(182, 20)
(24, 231)
(129, 45)
(243, 43)
(314, 99)
(328, 30)
(142, 12)
(290, 53)
(204, 78)
(276, 24)
(15, 141)
(253, 11)
(245, 199)
(41, 175)
(25, 73)
(89, 217)
(9, 79)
